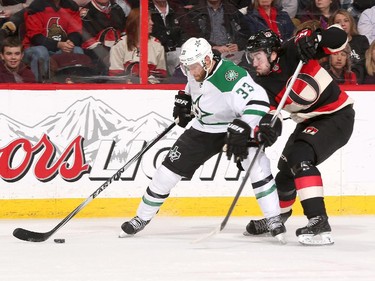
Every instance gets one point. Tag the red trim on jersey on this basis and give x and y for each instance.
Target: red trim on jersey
(312, 68)
(334, 105)
(308, 181)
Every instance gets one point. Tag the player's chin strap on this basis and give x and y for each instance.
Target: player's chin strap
(209, 69)
(261, 147)
(274, 64)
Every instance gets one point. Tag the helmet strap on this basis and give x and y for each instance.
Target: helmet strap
(274, 64)
(204, 65)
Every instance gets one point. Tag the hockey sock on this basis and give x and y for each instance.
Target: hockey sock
(286, 190)
(162, 183)
(309, 187)
(266, 195)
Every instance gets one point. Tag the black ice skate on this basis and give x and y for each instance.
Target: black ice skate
(257, 227)
(132, 227)
(317, 232)
(276, 228)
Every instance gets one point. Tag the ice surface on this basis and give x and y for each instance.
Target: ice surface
(165, 251)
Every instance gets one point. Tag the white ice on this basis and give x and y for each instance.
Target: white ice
(165, 251)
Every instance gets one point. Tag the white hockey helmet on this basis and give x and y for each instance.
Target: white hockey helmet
(195, 50)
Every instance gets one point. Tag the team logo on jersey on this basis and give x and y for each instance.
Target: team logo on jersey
(231, 75)
(174, 154)
(55, 30)
(310, 130)
(305, 91)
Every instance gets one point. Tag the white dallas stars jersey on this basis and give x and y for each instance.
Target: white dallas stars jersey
(228, 93)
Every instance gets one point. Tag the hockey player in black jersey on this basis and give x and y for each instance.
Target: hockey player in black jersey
(324, 115)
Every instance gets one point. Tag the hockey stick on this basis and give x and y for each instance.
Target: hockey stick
(32, 236)
(260, 148)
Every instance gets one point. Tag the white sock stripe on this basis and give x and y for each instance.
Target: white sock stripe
(310, 192)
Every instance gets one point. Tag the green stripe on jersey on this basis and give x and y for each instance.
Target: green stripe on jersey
(254, 112)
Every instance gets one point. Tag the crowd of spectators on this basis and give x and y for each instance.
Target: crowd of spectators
(98, 40)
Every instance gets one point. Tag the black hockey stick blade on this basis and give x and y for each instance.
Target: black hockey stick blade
(27, 235)
(31, 236)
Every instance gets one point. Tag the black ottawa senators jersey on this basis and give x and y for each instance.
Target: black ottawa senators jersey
(313, 93)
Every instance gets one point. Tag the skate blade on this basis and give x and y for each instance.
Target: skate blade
(281, 238)
(266, 234)
(123, 234)
(322, 239)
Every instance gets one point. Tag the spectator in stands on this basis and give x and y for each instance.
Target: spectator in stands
(103, 25)
(370, 65)
(266, 14)
(167, 29)
(125, 55)
(220, 23)
(52, 26)
(340, 67)
(12, 69)
(320, 10)
(366, 24)
(358, 43)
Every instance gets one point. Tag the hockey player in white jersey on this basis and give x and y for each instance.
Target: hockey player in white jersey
(230, 109)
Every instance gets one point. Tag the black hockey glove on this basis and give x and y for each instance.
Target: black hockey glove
(307, 44)
(182, 108)
(266, 134)
(238, 136)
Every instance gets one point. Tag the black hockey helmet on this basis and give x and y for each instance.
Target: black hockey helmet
(265, 40)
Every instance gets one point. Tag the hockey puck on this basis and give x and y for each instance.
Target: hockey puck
(59, 240)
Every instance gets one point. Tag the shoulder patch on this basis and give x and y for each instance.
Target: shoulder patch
(231, 75)
(227, 76)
